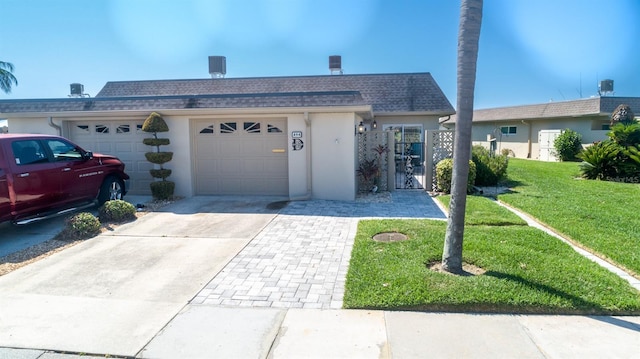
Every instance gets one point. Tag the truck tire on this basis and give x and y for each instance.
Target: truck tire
(112, 188)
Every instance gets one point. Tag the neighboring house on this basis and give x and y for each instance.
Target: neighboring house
(285, 136)
(529, 130)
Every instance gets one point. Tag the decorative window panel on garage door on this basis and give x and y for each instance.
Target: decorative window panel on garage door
(241, 156)
(122, 139)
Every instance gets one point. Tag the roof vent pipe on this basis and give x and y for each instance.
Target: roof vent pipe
(335, 64)
(217, 66)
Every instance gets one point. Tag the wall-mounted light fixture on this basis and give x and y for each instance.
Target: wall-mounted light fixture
(374, 124)
(361, 127)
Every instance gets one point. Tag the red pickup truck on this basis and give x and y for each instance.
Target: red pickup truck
(42, 176)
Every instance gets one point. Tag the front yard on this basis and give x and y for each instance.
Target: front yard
(522, 269)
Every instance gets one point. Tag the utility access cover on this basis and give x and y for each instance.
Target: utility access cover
(390, 237)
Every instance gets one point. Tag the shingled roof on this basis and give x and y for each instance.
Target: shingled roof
(385, 93)
(594, 106)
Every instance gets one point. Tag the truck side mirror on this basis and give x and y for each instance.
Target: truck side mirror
(87, 155)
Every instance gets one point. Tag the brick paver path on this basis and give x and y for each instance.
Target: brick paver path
(300, 259)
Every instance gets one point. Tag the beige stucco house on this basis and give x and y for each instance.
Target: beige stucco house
(529, 130)
(286, 136)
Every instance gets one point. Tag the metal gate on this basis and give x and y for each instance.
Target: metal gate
(410, 165)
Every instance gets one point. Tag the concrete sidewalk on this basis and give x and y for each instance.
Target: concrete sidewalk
(203, 331)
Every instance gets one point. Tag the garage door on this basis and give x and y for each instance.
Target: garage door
(241, 156)
(122, 139)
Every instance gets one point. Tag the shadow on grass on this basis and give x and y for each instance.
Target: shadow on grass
(579, 305)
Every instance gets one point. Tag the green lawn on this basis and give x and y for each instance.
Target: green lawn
(527, 271)
(599, 215)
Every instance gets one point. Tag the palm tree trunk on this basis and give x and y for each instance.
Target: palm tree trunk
(468, 38)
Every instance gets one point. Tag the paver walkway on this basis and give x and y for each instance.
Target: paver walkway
(302, 262)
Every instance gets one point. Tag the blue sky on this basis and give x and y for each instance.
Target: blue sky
(531, 51)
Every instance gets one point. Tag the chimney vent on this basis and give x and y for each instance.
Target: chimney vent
(217, 66)
(335, 64)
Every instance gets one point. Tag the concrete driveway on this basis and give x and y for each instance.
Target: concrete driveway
(16, 238)
(137, 277)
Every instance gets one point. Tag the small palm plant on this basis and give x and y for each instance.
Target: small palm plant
(368, 170)
(599, 160)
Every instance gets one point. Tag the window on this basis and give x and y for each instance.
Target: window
(207, 130)
(102, 129)
(63, 151)
(28, 152)
(83, 128)
(508, 130)
(273, 129)
(252, 127)
(228, 127)
(123, 129)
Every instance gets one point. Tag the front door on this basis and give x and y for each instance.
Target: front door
(409, 155)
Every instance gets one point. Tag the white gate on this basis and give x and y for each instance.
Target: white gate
(439, 145)
(547, 151)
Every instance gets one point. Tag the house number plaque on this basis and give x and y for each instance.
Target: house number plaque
(297, 144)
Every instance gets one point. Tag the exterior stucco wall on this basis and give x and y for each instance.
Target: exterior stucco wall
(325, 168)
(299, 160)
(333, 167)
(588, 127)
(181, 167)
(38, 125)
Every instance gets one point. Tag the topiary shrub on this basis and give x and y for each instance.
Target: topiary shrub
(568, 145)
(117, 211)
(490, 168)
(444, 175)
(159, 189)
(162, 189)
(80, 226)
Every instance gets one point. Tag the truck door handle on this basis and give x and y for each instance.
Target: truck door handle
(26, 174)
(66, 169)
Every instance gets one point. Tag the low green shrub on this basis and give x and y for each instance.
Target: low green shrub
(568, 145)
(490, 168)
(600, 160)
(162, 189)
(444, 175)
(507, 152)
(117, 211)
(81, 226)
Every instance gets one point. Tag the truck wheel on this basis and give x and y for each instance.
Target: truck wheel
(112, 188)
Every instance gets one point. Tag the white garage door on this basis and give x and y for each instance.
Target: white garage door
(122, 139)
(241, 156)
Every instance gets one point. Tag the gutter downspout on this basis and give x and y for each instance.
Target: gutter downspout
(58, 128)
(307, 121)
(529, 138)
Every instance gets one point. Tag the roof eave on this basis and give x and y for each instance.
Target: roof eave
(362, 110)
